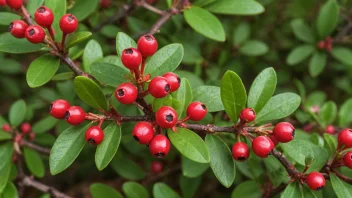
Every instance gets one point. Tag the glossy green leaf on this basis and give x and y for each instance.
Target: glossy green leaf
(127, 168)
(10, 66)
(41, 70)
(12, 45)
(327, 18)
(34, 163)
(205, 23)
(17, 112)
(317, 63)
(164, 60)
(248, 188)
(262, 89)
(342, 189)
(328, 113)
(109, 74)
(302, 31)
(330, 143)
(5, 135)
(190, 145)
(83, 8)
(134, 190)
(99, 190)
(7, 17)
(210, 96)
(76, 37)
(279, 106)
(299, 54)
(4, 175)
(298, 150)
(241, 34)
(33, 5)
(124, 41)
(345, 113)
(58, 7)
(192, 169)
(44, 125)
(236, 7)
(189, 186)
(92, 53)
(90, 93)
(292, 191)
(67, 148)
(342, 54)
(254, 48)
(160, 102)
(108, 148)
(161, 190)
(183, 94)
(63, 76)
(6, 151)
(10, 191)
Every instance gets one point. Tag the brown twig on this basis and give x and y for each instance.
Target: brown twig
(144, 4)
(343, 177)
(209, 128)
(35, 147)
(27, 181)
(274, 191)
(290, 168)
(152, 178)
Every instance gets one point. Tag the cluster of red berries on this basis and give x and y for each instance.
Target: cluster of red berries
(325, 44)
(261, 145)
(26, 129)
(345, 142)
(44, 17)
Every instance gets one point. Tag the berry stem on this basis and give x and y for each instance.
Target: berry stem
(51, 33)
(101, 121)
(143, 65)
(63, 41)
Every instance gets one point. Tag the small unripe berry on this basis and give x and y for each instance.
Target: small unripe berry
(196, 111)
(173, 80)
(44, 16)
(105, 3)
(156, 167)
(347, 159)
(166, 117)
(68, 23)
(18, 28)
(330, 129)
(32, 136)
(2, 3)
(131, 58)
(247, 115)
(345, 138)
(15, 4)
(75, 115)
(262, 146)
(315, 181)
(26, 128)
(126, 93)
(143, 132)
(159, 146)
(35, 34)
(6, 127)
(240, 151)
(159, 87)
(321, 45)
(58, 108)
(284, 132)
(94, 135)
(147, 45)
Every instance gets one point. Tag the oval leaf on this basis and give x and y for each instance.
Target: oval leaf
(92, 52)
(328, 113)
(124, 41)
(183, 94)
(109, 74)
(236, 7)
(17, 112)
(34, 162)
(189, 186)
(59, 9)
(327, 18)
(248, 188)
(161, 190)
(254, 48)
(134, 190)
(98, 190)
(342, 189)
(210, 96)
(345, 113)
(127, 168)
(75, 38)
(242, 33)
(302, 31)
(83, 8)
(292, 191)
(192, 169)
(7, 17)
(317, 63)
(342, 54)
(13, 45)
(299, 54)
(44, 125)
(298, 150)
(10, 191)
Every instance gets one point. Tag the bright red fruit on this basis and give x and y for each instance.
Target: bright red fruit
(159, 146)
(156, 167)
(94, 135)
(345, 138)
(44, 16)
(262, 146)
(105, 3)
(143, 132)
(131, 58)
(347, 159)
(159, 87)
(147, 45)
(126, 93)
(15, 4)
(6, 127)
(2, 2)
(330, 129)
(247, 115)
(240, 151)
(58, 108)
(35, 34)
(284, 132)
(166, 117)
(315, 181)
(68, 23)
(26, 128)
(75, 115)
(173, 80)
(196, 111)
(18, 28)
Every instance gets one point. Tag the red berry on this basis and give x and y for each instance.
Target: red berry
(159, 87)
(321, 45)
(15, 4)
(284, 132)
(247, 115)
(32, 136)
(94, 135)
(105, 3)
(35, 34)
(159, 146)
(18, 28)
(126, 93)
(18, 138)
(6, 127)
(58, 108)
(131, 58)
(44, 16)
(143, 132)
(147, 45)
(173, 80)
(347, 159)
(26, 128)
(240, 151)
(315, 181)
(156, 167)
(330, 129)
(151, 1)
(196, 111)
(166, 117)
(345, 138)
(328, 47)
(75, 115)
(2, 2)
(273, 139)
(68, 23)
(262, 146)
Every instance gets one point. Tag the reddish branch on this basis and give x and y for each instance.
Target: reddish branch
(28, 181)
(290, 168)
(35, 147)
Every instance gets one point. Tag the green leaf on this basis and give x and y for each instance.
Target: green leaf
(75, 38)
(124, 41)
(90, 93)
(17, 112)
(342, 54)
(83, 8)
(254, 48)
(192, 169)
(189, 186)
(4, 175)
(241, 34)
(345, 113)
(292, 191)
(5, 135)
(327, 18)
(342, 189)
(108, 148)
(221, 160)
(7, 17)
(10, 66)
(58, 7)
(189, 144)
(299, 54)
(205, 23)
(92, 53)
(127, 168)
(161, 190)
(164, 60)
(183, 94)
(44, 125)
(10, 191)
(298, 150)
(236, 7)
(279, 106)
(134, 190)
(262, 89)
(6, 151)
(330, 143)
(67, 148)
(99, 190)
(248, 188)
(33, 5)
(210, 96)
(160, 102)
(10, 44)
(328, 113)
(109, 74)
(63, 76)
(34, 162)
(233, 95)
(317, 63)
(302, 31)
(41, 70)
